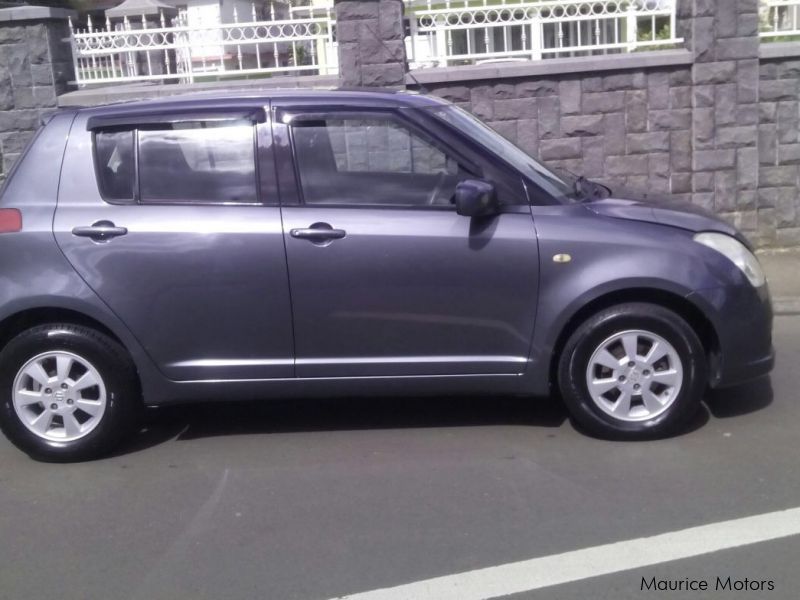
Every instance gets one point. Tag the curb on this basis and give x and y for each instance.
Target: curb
(786, 306)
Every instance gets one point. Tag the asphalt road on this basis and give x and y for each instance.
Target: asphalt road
(313, 500)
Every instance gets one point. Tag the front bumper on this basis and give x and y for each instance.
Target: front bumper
(742, 319)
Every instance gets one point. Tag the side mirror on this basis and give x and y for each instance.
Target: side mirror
(476, 198)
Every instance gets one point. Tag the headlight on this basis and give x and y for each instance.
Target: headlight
(736, 252)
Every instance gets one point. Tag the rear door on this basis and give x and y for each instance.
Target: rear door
(174, 221)
(386, 278)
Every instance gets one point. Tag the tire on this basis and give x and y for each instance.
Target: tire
(67, 393)
(653, 398)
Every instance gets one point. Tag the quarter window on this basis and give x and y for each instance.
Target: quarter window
(372, 161)
(115, 165)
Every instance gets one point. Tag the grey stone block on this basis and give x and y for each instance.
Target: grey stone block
(703, 182)
(680, 76)
(747, 168)
(714, 160)
(703, 38)
(703, 126)
(680, 97)
(770, 197)
(34, 97)
(528, 136)
(582, 126)
(658, 89)
(603, 102)
(390, 19)
(556, 149)
(747, 81)
(614, 138)
(747, 25)
(680, 183)
(501, 91)
(787, 236)
(19, 120)
(11, 34)
(569, 90)
(767, 145)
(592, 84)
(779, 89)
(767, 112)
(704, 200)
(768, 71)
(737, 48)
(627, 165)
(725, 191)
(777, 176)
(482, 105)
(636, 111)
(14, 142)
(747, 199)
(680, 150)
(788, 122)
(715, 72)
(766, 227)
(747, 114)
(536, 88)
(621, 81)
(516, 108)
(41, 74)
(355, 9)
(703, 96)
(658, 165)
(644, 143)
(593, 150)
(735, 137)
(670, 120)
(508, 129)
(6, 90)
(727, 25)
(785, 212)
(789, 69)
(789, 154)
(454, 93)
(549, 118)
(725, 104)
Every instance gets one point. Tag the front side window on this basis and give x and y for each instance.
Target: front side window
(374, 160)
(203, 162)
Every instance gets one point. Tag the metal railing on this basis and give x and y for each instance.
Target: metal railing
(780, 20)
(142, 50)
(302, 39)
(446, 32)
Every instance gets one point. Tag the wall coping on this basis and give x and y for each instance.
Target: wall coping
(125, 93)
(778, 50)
(35, 13)
(555, 66)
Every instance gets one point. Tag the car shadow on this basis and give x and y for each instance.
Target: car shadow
(211, 419)
(743, 399)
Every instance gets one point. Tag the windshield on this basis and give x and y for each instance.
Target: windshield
(557, 186)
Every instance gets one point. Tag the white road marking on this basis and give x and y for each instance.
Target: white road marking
(528, 575)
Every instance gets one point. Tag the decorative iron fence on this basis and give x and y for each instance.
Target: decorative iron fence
(142, 50)
(780, 20)
(450, 32)
(303, 40)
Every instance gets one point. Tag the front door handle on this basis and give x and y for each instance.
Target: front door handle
(318, 233)
(101, 231)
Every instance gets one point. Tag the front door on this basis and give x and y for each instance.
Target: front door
(183, 244)
(386, 278)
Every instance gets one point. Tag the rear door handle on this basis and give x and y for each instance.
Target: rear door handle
(318, 232)
(100, 231)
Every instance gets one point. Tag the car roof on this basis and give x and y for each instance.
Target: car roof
(241, 99)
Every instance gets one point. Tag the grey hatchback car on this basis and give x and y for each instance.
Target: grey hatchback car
(307, 243)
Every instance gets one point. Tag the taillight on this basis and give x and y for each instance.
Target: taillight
(10, 220)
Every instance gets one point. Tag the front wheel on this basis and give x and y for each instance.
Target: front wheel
(633, 371)
(67, 392)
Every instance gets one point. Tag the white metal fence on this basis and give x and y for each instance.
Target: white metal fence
(780, 19)
(449, 32)
(302, 39)
(143, 50)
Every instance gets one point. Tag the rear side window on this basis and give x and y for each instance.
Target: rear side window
(201, 162)
(115, 164)
(198, 163)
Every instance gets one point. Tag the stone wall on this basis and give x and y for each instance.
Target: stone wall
(35, 68)
(779, 152)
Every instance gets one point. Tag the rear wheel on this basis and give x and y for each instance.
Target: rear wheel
(67, 392)
(633, 371)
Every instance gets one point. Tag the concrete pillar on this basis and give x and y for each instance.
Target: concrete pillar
(723, 38)
(35, 67)
(372, 50)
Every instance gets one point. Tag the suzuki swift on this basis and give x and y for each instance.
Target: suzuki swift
(333, 243)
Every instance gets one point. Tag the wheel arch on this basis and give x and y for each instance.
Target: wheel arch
(689, 311)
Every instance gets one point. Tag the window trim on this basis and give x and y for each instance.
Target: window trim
(312, 113)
